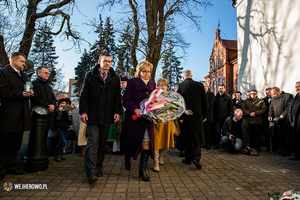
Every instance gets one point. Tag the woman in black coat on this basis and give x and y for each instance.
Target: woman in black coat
(138, 135)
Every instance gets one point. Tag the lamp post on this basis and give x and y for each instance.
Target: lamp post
(36, 158)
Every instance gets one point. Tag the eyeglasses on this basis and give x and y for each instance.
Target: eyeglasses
(253, 93)
(108, 61)
(46, 72)
(146, 72)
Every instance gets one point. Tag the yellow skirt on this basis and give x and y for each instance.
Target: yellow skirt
(164, 135)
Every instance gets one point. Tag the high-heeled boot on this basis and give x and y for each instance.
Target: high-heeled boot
(143, 164)
(155, 161)
(127, 162)
(161, 156)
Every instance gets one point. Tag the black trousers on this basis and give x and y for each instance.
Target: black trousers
(95, 148)
(10, 145)
(255, 136)
(282, 137)
(208, 132)
(296, 142)
(218, 127)
(192, 150)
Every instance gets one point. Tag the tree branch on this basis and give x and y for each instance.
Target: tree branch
(65, 17)
(49, 8)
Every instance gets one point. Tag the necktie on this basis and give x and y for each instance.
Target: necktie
(104, 76)
(19, 73)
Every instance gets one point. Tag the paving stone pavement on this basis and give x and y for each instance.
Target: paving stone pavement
(223, 176)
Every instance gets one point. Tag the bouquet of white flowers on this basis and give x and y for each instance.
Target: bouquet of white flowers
(163, 106)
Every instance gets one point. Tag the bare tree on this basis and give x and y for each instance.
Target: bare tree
(53, 10)
(60, 84)
(157, 14)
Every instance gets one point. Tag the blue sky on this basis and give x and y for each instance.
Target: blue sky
(201, 42)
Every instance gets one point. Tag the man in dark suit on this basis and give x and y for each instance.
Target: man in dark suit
(99, 107)
(43, 95)
(208, 124)
(237, 101)
(192, 125)
(295, 123)
(14, 113)
(278, 111)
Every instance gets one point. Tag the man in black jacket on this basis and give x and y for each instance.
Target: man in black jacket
(99, 106)
(43, 95)
(295, 122)
(14, 113)
(278, 111)
(235, 133)
(237, 101)
(192, 125)
(223, 108)
(208, 124)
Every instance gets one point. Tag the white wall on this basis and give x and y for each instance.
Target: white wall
(268, 44)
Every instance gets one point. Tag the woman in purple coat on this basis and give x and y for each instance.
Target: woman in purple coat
(137, 136)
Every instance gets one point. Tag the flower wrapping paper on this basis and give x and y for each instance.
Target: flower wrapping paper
(162, 106)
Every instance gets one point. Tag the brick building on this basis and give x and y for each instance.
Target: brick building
(223, 65)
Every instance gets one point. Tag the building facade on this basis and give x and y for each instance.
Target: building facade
(268, 44)
(223, 65)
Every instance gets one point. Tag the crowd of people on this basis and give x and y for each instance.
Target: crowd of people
(249, 124)
(107, 103)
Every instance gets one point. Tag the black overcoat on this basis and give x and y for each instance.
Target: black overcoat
(223, 107)
(43, 96)
(196, 100)
(14, 109)
(237, 104)
(133, 131)
(211, 101)
(98, 99)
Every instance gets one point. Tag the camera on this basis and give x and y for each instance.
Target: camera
(233, 139)
(66, 107)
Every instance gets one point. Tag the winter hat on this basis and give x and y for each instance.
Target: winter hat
(61, 100)
(124, 78)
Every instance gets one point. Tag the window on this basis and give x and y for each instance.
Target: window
(215, 87)
(220, 81)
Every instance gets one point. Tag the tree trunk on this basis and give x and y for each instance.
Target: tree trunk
(156, 31)
(26, 41)
(136, 35)
(3, 55)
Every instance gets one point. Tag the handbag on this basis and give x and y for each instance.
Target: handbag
(176, 128)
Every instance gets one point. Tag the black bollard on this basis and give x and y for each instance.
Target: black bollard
(36, 158)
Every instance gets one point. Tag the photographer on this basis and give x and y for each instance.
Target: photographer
(63, 118)
(235, 133)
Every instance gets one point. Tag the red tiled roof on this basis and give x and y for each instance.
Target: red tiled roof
(229, 44)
